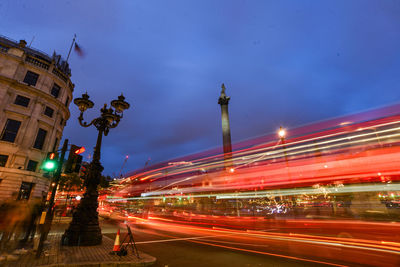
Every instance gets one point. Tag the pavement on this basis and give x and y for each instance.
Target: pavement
(56, 255)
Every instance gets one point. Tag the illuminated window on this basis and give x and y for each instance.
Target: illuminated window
(25, 191)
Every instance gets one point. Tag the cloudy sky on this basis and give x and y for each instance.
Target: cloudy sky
(283, 63)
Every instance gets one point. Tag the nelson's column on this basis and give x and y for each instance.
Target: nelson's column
(226, 130)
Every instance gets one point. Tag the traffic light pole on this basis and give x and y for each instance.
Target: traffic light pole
(50, 208)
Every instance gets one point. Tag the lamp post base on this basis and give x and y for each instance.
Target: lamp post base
(75, 235)
(84, 230)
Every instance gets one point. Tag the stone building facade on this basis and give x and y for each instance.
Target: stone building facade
(35, 92)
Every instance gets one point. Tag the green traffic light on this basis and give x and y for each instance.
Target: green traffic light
(49, 165)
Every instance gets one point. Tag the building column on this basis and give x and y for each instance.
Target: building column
(223, 101)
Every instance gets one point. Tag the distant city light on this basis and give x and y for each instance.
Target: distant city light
(281, 132)
(78, 198)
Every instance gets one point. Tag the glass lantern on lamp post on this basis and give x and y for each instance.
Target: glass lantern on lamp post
(282, 135)
(84, 229)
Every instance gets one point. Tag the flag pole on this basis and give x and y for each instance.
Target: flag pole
(33, 38)
(69, 53)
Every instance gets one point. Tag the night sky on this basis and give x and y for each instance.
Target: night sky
(283, 62)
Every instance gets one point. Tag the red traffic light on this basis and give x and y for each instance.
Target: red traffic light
(80, 150)
(83, 171)
(52, 155)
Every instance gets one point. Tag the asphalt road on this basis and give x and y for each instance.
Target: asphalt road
(187, 247)
(187, 244)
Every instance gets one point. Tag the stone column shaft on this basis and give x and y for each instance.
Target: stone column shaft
(226, 130)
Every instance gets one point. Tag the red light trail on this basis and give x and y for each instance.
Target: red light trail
(335, 187)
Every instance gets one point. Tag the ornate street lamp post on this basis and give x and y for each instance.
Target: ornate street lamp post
(84, 229)
(282, 135)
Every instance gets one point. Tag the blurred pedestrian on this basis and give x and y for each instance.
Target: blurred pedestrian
(21, 223)
(8, 220)
(35, 208)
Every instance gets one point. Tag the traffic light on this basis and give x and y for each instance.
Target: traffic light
(80, 150)
(78, 163)
(74, 159)
(50, 163)
(84, 170)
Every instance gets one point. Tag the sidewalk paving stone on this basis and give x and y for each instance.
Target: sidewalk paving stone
(83, 256)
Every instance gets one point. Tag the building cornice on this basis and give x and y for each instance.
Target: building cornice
(10, 111)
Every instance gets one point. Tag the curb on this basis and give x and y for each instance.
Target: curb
(106, 264)
(94, 256)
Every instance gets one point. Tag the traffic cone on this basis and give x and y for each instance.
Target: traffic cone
(117, 246)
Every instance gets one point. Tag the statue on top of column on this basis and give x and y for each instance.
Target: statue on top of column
(223, 99)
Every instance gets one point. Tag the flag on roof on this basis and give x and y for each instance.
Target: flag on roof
(79, 50)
